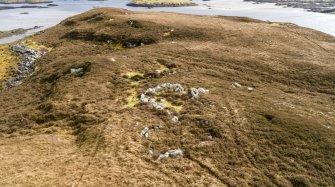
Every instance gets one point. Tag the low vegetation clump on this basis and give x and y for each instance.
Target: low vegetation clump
(8, 63)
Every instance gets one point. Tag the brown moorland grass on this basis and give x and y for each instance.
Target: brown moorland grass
(161, 3)
(59, 128)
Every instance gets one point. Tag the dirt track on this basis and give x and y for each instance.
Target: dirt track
(60, 128)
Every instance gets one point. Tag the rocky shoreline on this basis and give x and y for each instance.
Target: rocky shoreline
(26, 6)
(19, 31)
(313, 6)
(24, 1)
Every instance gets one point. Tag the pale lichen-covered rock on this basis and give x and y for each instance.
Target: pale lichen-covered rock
(237, 85)
(171, 153)
(196, 92)
(175, 119)
(76, 70)
(145, 132)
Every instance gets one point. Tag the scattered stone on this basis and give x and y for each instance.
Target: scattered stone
(113, 59)
(166, 86)
(250, 89)
(171, 153)
(129, 45)
(145, 132)
(194, 92)
(202, 122)
(175, 119)
(156, 127)
(158, 106)
(175, 87)
(151, 152)
(134, 24)
(160, 100)
(76, 70)
(197, 92)
(163, 156)
(145, 99)
(237, 85)
(203, 90)
(176, 153)
(131, 22)
(328, 127)
(163, 71)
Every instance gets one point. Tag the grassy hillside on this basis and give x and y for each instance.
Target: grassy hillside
(81, 119)
(161, 1)
(150, 3)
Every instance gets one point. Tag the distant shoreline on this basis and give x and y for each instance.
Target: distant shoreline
(36, 13)
(324, 7)
(25, 2)
(5, 34)
(27, 6)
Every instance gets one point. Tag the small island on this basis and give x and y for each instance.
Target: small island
(161, 3)
(24, 1)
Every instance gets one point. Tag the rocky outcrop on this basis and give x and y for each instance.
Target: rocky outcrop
(26, 67)
(4, 34)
